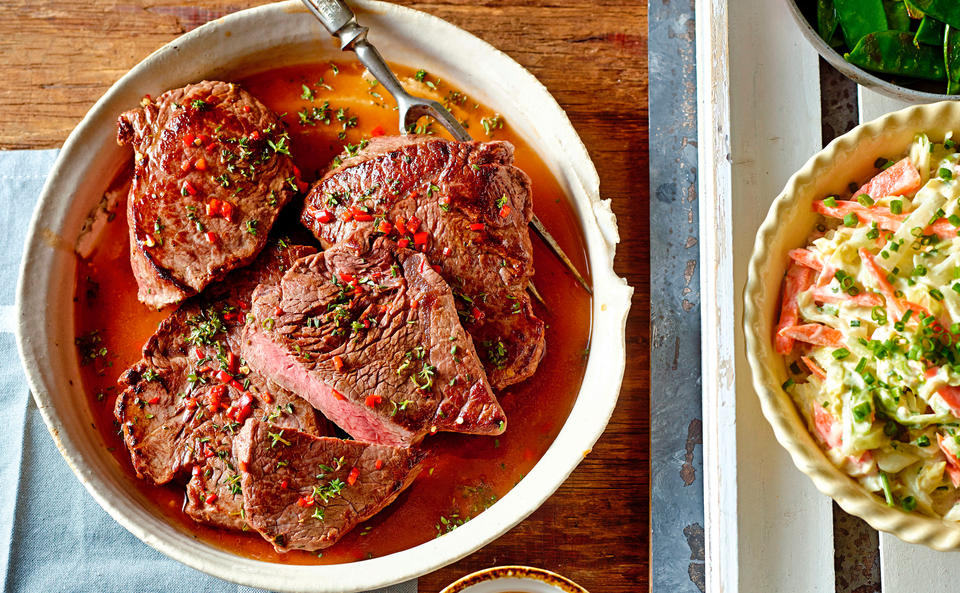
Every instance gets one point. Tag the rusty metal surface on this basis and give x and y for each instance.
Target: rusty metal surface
(676, 518)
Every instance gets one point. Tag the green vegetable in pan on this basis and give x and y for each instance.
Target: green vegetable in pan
(946, 11)
(827, 21)
(893, 52)
(898, 19)
(930, 32)
(951, 57)
(906, 39)
(859, 18)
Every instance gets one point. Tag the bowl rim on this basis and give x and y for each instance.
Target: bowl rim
(857, 74)
(778, 406)
(572, 444)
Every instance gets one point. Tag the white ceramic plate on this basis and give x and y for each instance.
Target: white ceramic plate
(238, 45)
(790, 220)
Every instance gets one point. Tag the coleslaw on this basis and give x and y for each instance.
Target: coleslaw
(870, 328)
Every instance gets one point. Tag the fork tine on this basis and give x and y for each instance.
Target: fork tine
(555, 248)
(535, 293)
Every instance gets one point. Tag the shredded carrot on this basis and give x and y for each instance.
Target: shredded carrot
(865, 214)
(797, 279)
(899, 179)
(895, 308)
(814, 333)
(814, 367)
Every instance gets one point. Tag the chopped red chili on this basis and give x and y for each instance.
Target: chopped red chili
(211, 237)
(373, 400)
(188, 187)
(403, 243)
(477, 226)
(420, 238)
(227, 209)
(352, 477)
(379, 464)
(211, 498)
(201, 165)
(326, 216)
(377, 131)
(338, 363)
(505, 211)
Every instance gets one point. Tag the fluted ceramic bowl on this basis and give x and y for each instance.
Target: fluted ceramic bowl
(790, 220)
(241, 44)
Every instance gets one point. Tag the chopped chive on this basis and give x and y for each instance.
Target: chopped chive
(841, 353)
(887, 492)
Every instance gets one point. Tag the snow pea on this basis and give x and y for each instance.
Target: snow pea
(859, 18)
(951, 59)
(947, 11)
(897, 17)
(893, 52)
(930, 32)
(826, 20)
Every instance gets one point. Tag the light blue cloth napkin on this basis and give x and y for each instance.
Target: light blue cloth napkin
(53, 536)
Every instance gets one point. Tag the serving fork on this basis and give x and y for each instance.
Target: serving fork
(342, 23)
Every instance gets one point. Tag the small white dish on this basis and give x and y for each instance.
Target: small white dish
(514, 579)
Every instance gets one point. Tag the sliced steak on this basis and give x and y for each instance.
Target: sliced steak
(467, 207)
(190, 394)
(373, 341)
(303, 492)
(212, 170)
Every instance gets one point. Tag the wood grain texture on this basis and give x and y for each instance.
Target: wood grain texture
(57, 59)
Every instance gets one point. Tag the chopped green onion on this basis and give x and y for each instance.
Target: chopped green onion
(865, 200)
(850, 219)
(885, 483)
(896, 206)
(787, 384)
(936, 294)
(861, 411)
(945, 173)
(841, 353)
(830, 202)
(908, 503)
(923, 441)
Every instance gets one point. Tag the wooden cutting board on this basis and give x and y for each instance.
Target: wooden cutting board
(57, 59)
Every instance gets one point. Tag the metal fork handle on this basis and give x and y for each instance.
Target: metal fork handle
(342, 23)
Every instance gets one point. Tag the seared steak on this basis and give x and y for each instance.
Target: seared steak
(188, 396)
(373, 341)
(305, 492)
(212, 169)
(467, 208)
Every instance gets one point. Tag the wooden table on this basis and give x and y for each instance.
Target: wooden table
(56, 59)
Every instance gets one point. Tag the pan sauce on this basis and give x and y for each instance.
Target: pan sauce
(463, 474)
